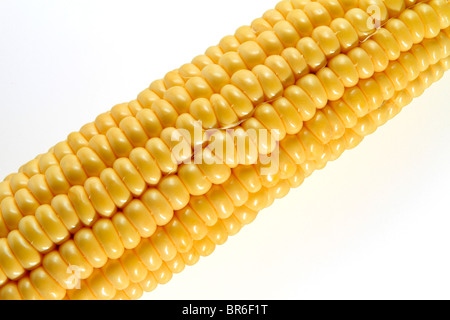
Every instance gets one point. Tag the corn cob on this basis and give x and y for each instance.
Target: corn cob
(99, 193)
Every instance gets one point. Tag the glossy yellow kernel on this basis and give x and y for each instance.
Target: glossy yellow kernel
(149, 122)
(39, 188)
(346, 33)
(56, 180)
(281, 68)
(281, 189)
(229, 43)
(33, 233)
(174, 190)
(266, 141)
(241, 102)
(204, 210)
(319, 126)
(192, 222)
(119, 143)
(179, 98)
(10, 292)
(133, 266)
(133, 292)
(232, 225)
(397, 74)
(51, 224)
(198, 88)
(312, 53)
(80, 202)
(76, 141)
(269, 82)
(362, 61)
(161, 153)
(101, 146)
(317, 13)
(3, 228)
(46, 161)
(120, 111)
(134, 131)
(141, 218)
(218, 234)
(386, 40)
(18, 181)
(245, 215)
(301, 22)
(172, 79)
(128, 234)
(443, 11)
(330, 82)
(289, 115)
(99, 197)
(314, 88)
(286, 33)
(8, 261)
(429, 18)
(204, 247)
(220, 201)
(73, 170)
(88, 244)
(311, 144)
(213, 168)
(104, 122)
(25, 201)
(100, 286)
(115, 187)
(116, 274)
(270, 42)
(214, 53)
(89, 130)
(401, 33)
(356, 100)
(148, 255)
(230, 62)
(386, 86)
(130, 176)
(108, 238)
(327, 40)
(248, 177)
(176, 265)
(268, 117)
(296, 61)
(193, 179)
(162, 243)
(58, 269)
(372, 92)
(158, 206)
(81, 293)
(352, 139)
(257, 201)
(27, 290)
(179, 235)
(292, 146)
(301, 101)
(202, 110)
(61, 149)
(379, 58)
(78, 265)
(344, 68)
(360, 21)
(5, 190)
(47, 287)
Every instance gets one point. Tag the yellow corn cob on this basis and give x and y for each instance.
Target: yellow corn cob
(113, 202)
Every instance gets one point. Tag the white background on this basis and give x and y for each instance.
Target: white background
(373, 224)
